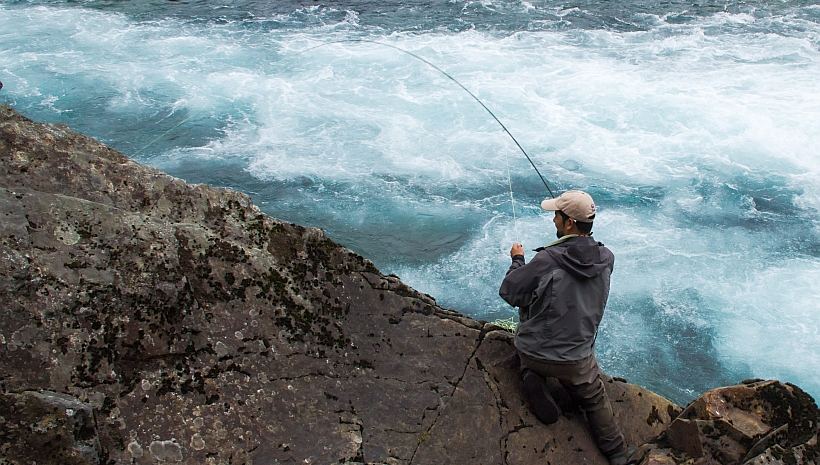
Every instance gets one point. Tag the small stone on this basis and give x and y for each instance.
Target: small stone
(146, 385)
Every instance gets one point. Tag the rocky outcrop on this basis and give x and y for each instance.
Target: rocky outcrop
(146, 320)
(755, 423)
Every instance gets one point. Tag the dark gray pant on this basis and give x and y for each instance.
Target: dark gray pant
(583, 382)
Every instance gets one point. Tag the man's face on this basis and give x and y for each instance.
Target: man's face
(559, 225)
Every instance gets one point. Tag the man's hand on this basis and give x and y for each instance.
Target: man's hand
(517, 249)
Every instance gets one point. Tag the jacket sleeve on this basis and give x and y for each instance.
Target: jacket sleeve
(517, 262)
(518, 287)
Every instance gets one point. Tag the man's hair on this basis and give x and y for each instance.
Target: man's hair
(583, 228)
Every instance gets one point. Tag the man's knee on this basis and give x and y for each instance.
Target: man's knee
(590, 394)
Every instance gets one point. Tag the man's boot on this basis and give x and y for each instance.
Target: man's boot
(623, 456)
(541, 402)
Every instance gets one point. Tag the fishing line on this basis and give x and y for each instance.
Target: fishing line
(509, 175)
(512, 200)
(168, 131)
(457, 83)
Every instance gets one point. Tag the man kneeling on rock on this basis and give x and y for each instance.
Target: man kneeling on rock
(561, 294)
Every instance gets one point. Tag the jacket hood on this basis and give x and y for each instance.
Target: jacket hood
(580, 256)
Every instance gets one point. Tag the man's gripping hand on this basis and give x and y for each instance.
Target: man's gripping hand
(517, 249)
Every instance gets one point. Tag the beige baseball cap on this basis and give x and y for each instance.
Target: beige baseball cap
(578, 205)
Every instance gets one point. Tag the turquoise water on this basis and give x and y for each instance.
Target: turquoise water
(696, 127)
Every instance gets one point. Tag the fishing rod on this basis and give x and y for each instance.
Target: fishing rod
(412, 55)
(509, 176)
(458, 84)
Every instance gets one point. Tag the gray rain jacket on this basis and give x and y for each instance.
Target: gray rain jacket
(561, 294)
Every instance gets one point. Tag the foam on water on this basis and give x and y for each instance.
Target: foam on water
(698, 140)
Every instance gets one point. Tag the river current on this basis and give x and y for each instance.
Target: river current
(695, 126)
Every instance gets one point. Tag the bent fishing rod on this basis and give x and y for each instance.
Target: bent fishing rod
(509, 176)
(412, 55)
(457, 83)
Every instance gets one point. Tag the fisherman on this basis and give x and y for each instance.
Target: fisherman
(561, 294)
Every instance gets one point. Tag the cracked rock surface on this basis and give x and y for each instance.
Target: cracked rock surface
(176, 323)
(757, 422)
